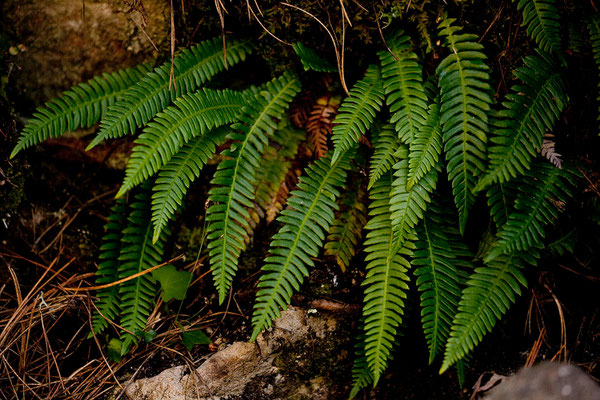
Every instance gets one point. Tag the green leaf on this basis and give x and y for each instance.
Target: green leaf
(311, 60)
(490, 291)
(540, 17)
(191, 69)
(174, 284)
(386, 283)
(82, 106)
(407, 206)
(426, 147)
(530, 110)
(191, 338)
(234, 182)
(193, 115)
(306, 220)
(385, 145)
(175, 177)
(357, 112)
(541, 192)
(465, 102)
(403, 84)
(114, 350)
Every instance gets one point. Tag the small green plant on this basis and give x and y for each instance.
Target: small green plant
(435, 136)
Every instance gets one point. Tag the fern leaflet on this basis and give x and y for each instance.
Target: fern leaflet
(501, 200)
(465, 102)
(153, 93)
(175, 177)
(306, 220)
(357, 112)
(403, 85)
(82, 106)
(361, 374)
(234, 180)
(190, 116)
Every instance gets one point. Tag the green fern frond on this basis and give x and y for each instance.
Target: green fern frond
(190, 116)
(541, 192)
(593, 25)
(82, 106)
(408, 205)
(528, 112)
(108, 267)
(403, 85)
(361, 374)
(311, 60)
(345, 232)
(306, 220)
(501, 201)
(386, 282)
(385, 145)
(438, 257)
(175, 177)
(138, 253)
(235, 178)
(357, 112)
(426, 147)
(540, 18)
(152, 94)
(465, 101)
(490, 291)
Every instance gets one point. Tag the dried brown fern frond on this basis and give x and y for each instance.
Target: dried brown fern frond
(548, 150)
(280, 199)
(345, 233)
(320, 123)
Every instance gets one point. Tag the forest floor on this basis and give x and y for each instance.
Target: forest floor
(55, 204)
(47, 260)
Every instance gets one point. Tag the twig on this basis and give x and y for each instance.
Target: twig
(172, 71)
(118, 282)
(333, 41)
(250, 10)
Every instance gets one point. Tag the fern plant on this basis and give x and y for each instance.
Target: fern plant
(436, 132)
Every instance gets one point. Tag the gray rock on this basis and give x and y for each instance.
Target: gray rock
(548, 381)
(229, 371)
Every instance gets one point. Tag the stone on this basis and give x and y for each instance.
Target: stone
(547, 381)
(62, 45)
(228, 372)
